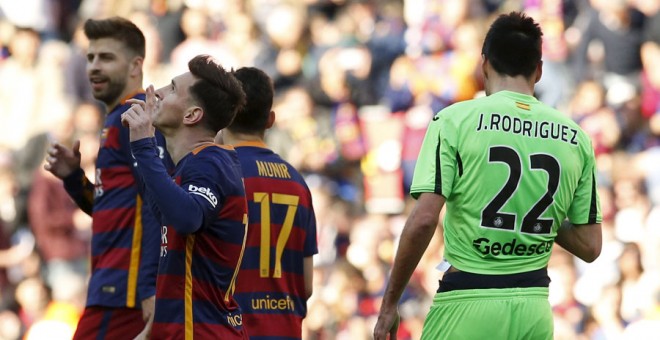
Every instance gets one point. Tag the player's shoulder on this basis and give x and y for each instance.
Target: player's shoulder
(211, 153)
(291, 171)
(462, 107)
(295, 174)
(552, 114)
(259, 152)
(113, 117)
(457, 113)
(124, 105)
(577, 135)
(212, 161)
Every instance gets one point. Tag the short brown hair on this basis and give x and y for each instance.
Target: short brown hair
(217, 91)
(119, 29)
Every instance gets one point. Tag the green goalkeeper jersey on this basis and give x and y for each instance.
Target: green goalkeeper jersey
(511, 169)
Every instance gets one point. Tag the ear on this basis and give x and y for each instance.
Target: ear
(539, 71)
(136, 66)
(271, 120)
(193, 115)
(484, 66)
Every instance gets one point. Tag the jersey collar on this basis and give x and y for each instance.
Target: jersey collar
(258, 144)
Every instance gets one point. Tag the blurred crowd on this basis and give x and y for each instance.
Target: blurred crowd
(357, 82)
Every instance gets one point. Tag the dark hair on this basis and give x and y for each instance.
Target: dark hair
(513, 45)
(217, 91)
(258, 88)
(119, 29)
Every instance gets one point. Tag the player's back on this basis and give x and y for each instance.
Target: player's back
(517, 168)
(281, 233)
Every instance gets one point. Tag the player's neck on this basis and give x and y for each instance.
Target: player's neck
(233, 138)
(185, 141)
(514, 84)
(129, 90)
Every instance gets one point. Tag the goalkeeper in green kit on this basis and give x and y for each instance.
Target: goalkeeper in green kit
(517, 176)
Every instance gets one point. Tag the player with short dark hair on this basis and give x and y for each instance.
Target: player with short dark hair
(276, 276)
(117, 28)
(510, 170)
(513, 47)
(202, 206)
(124, 253)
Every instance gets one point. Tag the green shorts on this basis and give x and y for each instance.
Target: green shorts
(509, 313)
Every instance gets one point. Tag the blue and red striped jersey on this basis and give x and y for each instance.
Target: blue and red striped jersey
(204, 216)
(281, 233)
(124, 256)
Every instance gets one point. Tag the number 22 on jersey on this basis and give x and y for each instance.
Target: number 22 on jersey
(492, 217)
(265, 200)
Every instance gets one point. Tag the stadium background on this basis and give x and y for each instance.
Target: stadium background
(356, 83)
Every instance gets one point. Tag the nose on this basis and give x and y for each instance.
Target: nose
(158, 94)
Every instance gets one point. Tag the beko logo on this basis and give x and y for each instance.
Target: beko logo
(204, 192)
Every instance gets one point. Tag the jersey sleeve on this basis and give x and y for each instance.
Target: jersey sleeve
(203, 182)
(436, 163)
(179, 208)
(81, 190)
(585, 207)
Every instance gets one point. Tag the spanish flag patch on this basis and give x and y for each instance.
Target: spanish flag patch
(522, 106)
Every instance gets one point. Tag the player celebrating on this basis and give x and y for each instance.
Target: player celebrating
(203, 211)
(124, 254)
(510, 170)
(276, 276)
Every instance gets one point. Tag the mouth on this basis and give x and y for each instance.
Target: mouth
(157, 104)
(98, 82)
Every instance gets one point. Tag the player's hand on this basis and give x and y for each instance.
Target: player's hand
(62, 161)
(388, 323)
(139, 117)
(144, 335)
(148, 307)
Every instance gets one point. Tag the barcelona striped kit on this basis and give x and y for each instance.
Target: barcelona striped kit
(203, 213)
(281, 233)
(124, 257)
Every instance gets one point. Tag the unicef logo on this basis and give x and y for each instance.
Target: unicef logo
(498, 222)
(537, 227)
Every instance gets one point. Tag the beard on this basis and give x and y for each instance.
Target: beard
(111, 92)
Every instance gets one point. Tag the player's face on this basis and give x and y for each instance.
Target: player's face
(174, 101)
(107, 69)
